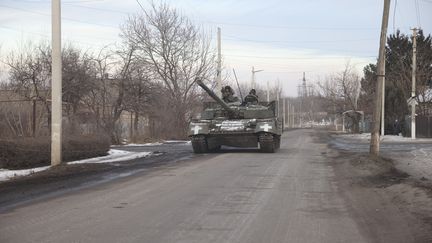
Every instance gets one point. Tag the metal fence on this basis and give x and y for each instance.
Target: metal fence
(423, 126)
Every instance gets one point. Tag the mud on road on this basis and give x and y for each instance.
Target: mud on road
(382, 197)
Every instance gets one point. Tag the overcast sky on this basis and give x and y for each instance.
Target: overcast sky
(282, 37)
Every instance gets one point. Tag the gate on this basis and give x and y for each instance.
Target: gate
(424, 126)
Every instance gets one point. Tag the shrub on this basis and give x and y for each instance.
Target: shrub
(22, 153)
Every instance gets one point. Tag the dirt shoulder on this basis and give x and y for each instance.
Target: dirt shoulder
(389, 205)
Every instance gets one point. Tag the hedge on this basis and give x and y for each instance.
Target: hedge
(23, 153)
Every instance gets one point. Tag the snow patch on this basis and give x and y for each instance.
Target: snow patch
(140, 144)
(114, 155)
(409, 155)
(8, 174)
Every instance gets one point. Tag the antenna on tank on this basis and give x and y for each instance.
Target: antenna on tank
(238, 85)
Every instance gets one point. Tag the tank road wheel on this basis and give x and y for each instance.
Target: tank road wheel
(267, 143)
(199, 144)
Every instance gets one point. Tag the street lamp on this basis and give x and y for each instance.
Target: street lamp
(253, 76)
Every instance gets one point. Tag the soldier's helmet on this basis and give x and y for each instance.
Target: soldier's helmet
(227, 90)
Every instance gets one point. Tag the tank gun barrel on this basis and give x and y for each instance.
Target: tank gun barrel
(214, 96)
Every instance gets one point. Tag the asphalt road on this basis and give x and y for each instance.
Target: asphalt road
(235, 196)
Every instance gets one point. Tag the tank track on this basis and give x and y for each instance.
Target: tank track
(199, 144)
(267, 143)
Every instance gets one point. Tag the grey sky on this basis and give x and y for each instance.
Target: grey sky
(284, 38)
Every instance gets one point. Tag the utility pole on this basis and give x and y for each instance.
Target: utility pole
(277, 98)
(289, 115)
(283, 112)
(219, 64)
(268, 91)
(413, 87)
(253, 76)
(56, 86)
(375, 136)
(293, 115)
(383, 108)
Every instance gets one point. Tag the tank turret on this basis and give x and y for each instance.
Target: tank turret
(214, 96)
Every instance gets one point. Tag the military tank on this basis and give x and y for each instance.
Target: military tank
(235, 124)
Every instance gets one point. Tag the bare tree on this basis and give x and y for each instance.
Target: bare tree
(342, 90)
(140, 95)
(30, 73)
(79, 73)
(107, 100)
(177, 51)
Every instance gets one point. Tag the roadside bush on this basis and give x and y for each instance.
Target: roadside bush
(23, 153)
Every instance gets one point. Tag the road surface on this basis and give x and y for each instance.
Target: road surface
(294, 195)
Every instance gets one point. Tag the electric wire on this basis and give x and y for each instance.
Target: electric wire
(394, 16)
(297, 58)
(63, 18)
(417, 9)
(230, 37)
(142, 8)
(292, 27)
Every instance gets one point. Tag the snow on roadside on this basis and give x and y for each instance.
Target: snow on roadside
(114, 155)
(140, 144)
(411, 156)
(386, 138)
(177, 141)
(8, 174)
(154, 144)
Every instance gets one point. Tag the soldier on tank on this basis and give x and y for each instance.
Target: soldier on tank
(251, 98)
(228, 95)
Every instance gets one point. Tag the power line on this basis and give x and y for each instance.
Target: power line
(297, 58)
(100, 9)
(417, 12)
(142, 8)
(291, 27)
(38, 2)
(76, 4)
(308, 48)
(394, 16)
(48, 36)
(299, 41)
(63, 18)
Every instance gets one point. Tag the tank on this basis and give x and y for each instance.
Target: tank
(235, 124)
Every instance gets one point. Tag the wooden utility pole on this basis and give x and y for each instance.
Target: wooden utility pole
(268, 91)
(219, 64)
(383, 108)
(284, 112)
(56, 86)
(277, 99)
(293, 115)
(290, 115)
(253, 76)
(413, 86)
(375, 136)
